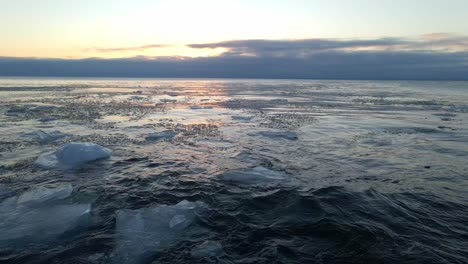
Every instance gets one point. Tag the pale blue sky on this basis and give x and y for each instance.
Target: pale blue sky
(61, 28)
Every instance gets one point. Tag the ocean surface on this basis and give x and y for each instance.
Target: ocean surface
(245, 171)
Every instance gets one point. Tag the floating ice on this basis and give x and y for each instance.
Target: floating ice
(142, 232)
(40, 215)
(257, 175)
(291, 135)
(73, 155)
(44, 137)
(207, 249)
(42, 195)
(164, 135)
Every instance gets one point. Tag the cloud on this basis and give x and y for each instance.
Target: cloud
(307, 47)
(120, 49)
(426, 58)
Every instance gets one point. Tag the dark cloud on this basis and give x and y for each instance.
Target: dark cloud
(307, 47)
(297, 48)
(309, 59)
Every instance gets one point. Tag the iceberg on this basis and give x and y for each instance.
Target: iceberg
(40, 215)
(73, 155)
(164, 135)
(141, 233)
(253, 176)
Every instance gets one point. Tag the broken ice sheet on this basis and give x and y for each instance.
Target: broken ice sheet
(40, 215)
(141, 233)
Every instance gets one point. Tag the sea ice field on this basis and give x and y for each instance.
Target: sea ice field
(233, 171)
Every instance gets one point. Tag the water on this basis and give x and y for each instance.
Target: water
(348, 171)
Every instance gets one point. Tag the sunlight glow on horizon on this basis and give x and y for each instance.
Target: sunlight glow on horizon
(78, 29)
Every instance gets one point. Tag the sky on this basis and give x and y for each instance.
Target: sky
(308, 33)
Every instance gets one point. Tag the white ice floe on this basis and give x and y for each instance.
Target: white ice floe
(141, 233)
(73, 155)
(290, 135)
(163, 135)
(253, 176)
(207, 249)
(40, 215)
(43, 136)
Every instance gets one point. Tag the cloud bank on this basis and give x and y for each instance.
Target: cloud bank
(430, 57)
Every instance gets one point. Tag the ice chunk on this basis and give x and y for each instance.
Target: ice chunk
(31, 218)
(177, 220)
(48, 161)
(257, 175)
(142, 232)
(43, 194)
(33, 225)
(44, 137)
(73, 155)
(291, 135)
(164, 135)
(207, 249)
